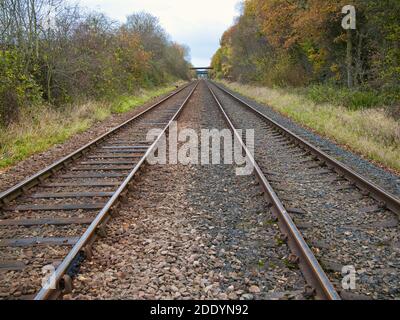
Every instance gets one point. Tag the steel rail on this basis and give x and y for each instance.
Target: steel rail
(21, 187)
(45, 293)
(390, 201)
(308, 264)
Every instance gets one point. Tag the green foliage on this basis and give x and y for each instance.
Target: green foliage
(126, 103)
(16, 87)
(352, 99)
(46, 69)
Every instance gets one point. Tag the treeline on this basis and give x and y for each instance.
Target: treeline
(56, 53)
(302, 42)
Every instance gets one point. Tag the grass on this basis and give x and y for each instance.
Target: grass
(290, 265)
(43, 126)
(125, 103)
(369, 132)
(279, 242)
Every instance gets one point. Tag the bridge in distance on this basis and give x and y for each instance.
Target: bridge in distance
(201, 72)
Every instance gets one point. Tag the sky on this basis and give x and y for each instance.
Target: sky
(199, 24)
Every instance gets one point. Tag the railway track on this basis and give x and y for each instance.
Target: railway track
(319, 284)
(194, 231)
(53, 217)
(328, 215)
(345, 219)
(271, 244)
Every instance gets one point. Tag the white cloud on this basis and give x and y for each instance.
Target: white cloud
(198, 24)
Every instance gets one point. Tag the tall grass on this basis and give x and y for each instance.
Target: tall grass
(125, 103)
(41, 127)
(369, 132)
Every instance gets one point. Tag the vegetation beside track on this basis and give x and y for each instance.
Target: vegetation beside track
(39, 129)
(58, 78)
(372, 133)
(82, 55)
(297, 57)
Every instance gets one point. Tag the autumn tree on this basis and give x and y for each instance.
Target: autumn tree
(51, 51)
(299, 42)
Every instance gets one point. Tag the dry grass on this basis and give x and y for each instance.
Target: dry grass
(42, 127)
(371, 132)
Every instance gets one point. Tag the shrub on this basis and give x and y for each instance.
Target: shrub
(9, 104)
(16, 87)
(356, 99)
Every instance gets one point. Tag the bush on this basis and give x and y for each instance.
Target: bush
(355, 99)
(16, 88)
(81, 55)
(9, 106)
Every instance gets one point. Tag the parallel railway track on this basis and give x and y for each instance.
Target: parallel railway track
(202, 232)
(53, 217)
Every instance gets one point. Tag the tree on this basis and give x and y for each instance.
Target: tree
(298, 42)
(55, 52)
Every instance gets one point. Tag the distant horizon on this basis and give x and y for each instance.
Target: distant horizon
(208, 20)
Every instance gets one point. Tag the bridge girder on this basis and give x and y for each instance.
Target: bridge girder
(199, 68)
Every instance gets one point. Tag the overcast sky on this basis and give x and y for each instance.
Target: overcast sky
(197, 23)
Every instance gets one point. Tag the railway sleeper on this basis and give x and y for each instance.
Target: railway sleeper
(25, 189)
(93, 175)
(113, 162)
(101, 168)
(45, 221)
(74, 206)
(71, 195)
(38, 241)
(83, 184)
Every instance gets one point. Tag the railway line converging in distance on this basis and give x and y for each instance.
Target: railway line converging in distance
(302, 216)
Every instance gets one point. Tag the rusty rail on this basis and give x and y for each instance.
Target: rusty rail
(301, 253)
